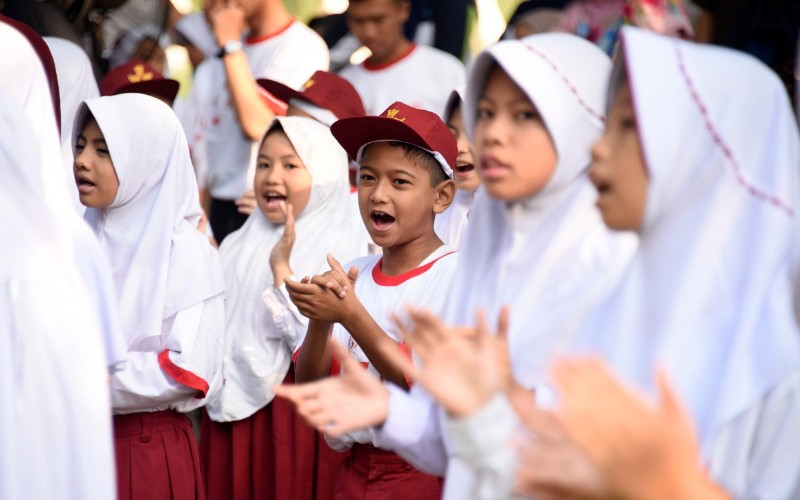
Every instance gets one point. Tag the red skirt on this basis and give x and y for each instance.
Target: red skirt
(272, 454)
(157, 457)
(370, 473)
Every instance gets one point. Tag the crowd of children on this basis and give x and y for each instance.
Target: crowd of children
(556, 275)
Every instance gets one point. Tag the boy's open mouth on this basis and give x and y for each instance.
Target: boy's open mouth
(381, 221)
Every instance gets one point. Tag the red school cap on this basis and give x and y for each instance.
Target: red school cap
(138, 77)
(400, 122)
(325, 90)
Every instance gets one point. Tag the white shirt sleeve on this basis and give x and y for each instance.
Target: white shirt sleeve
(173, 370)
(482, 443)
(412, 430)
(757, 455)
(291, 325)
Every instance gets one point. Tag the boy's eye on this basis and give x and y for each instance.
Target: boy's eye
(401, 182)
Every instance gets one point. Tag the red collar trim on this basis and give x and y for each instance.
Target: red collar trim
(378, 67)
(255, 40)
(386, 280)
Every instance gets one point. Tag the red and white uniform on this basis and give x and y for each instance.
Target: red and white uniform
(424, 77)
(221, 152)
(426, 286)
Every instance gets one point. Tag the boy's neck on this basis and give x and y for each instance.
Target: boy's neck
(400, 49)
(403, 258)
(272, 18)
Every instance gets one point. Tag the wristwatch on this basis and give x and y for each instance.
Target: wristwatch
(229, 47)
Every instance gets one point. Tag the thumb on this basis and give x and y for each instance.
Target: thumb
(502, 323)
(670, 402)
(343, 356)
(288, 228)
(352, 274)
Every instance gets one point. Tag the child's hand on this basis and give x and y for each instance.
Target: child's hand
(279, 257)
(644, 450)
(336, 405)
(336, 280)
(459, 368)
(551, 464)
(317, 301)
(227, 20)
(247, 203)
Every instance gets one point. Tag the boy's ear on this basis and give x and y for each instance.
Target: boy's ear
(444, 195)
(405, 9)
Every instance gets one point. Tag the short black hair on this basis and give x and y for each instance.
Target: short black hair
(420, 157)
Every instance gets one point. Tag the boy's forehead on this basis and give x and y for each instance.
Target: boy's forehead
(386, 157)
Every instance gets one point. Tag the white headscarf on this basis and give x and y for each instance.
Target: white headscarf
(709, 294)
(24, 80)
(323, 227)
(76, 83)
(548, 256)
(51, 347)
(161, 264)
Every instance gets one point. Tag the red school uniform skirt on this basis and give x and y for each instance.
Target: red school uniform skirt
(370, 473)
(157, 457)
(272, 454)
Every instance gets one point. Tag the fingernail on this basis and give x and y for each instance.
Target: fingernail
(342, 294)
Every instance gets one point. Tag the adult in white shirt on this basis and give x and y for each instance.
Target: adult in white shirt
(398, 69)
(227, 112)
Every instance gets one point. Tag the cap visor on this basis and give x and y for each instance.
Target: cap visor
(166, 88)
(353, 133)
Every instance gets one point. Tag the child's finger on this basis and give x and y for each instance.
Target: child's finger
(502, 323)
(288, 228)
(335, 265)
(427, 324)
(352, 274)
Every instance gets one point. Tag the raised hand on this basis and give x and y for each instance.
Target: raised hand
(279, 257)
(551, 464)
(458, 366)
(324, 297)
(644, 450)
(336, 405)
(227, 20)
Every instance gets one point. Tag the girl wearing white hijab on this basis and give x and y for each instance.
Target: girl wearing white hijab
(452, 223)
(51, 348)
(709, 297)
(76, 84)
(133, 172)
(24, 80)
(535, 240)
(299, 166)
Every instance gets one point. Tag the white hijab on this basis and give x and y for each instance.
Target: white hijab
(323, 227)
(161, 264)
(24, 80)
(549, 256)
(709, 294)
(51, 346)
(76, 83)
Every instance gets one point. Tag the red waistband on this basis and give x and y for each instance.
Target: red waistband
(368, 454)
(137, 424)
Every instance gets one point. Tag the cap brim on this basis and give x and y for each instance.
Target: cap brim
(355, 133)
(279, 90)
(166, 88)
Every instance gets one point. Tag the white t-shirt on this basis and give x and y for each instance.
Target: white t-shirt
(424, 78)
(221, 152)
(426, 286)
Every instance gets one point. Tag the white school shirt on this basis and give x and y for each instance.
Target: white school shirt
(221, 152)
(423, 78)
(451, 224)
(427, 287)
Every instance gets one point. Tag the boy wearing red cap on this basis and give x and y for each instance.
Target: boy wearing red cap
(227, 113)
(405, 159)
(325, 97)
(138, 77)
